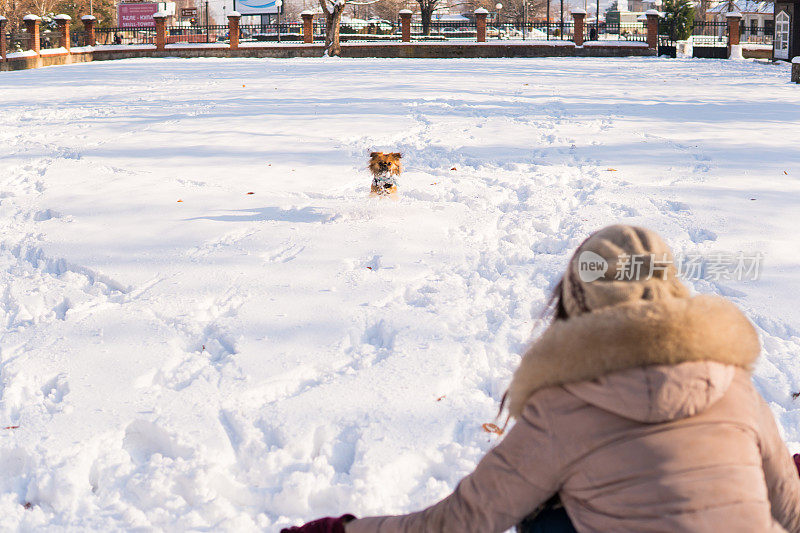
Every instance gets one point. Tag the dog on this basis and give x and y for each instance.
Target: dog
(385, 168)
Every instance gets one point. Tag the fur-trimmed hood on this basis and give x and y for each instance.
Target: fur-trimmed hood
(633, 335)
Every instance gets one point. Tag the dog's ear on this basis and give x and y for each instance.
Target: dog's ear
(375, 154)
(396, 155)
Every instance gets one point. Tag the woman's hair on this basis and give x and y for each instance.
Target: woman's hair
(554, 309)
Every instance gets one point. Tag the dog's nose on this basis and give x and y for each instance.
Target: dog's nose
(387, 185)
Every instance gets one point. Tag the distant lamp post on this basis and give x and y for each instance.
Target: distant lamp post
(278, 4)
(498, 6)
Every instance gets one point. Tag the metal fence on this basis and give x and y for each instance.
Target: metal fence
(756, 34)
(196, 34)
(618, 32)
(703, 34)
(141, 35)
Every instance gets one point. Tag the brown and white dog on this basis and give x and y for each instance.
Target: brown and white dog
(385, 168)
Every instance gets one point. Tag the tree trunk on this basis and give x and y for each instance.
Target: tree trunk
(333, 21)
(426, 13)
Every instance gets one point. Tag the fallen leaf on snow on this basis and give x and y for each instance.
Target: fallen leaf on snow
(369, 268)
(251, 193)
(611, 170)
(442, 397)
(180, 200)
(492, 428)
(454, 168)
(11, 427)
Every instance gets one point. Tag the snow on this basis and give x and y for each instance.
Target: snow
(53, 51)
(236, 14)
(132, 47)
(197, 45)
(796, 59)
(241, 362)
(604, 42)
(62, 17)
(88, 17)
(26, 53)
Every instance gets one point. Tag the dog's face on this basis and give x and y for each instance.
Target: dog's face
(381, 164)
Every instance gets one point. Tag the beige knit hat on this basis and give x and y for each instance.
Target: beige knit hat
(619, 264)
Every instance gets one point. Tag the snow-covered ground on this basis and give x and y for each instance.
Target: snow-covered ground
(180, 354)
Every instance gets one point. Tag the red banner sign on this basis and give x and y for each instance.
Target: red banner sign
(137, 15)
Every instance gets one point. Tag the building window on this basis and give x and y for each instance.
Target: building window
(753, 26)
(782, 35)
(769, 27)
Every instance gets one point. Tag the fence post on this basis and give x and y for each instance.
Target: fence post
(796, 69)
(32, 27)
(480, 24)
(233, 29)
(3, 22)
(734, 22)
(88, 28)
(161, 30)
(405, 25)
(63, 29)
(308, 26)
(652, 28)
(578, 16)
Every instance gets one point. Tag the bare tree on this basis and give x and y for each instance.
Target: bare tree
(332, 9)
(426, 9)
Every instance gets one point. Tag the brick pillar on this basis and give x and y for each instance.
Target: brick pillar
(652, 28)
(233, 29)
(63, 30)
(405, 25)
(734, 24)
(88, 28)
(161, 30)
(308, 26)
(480, 23)
(3, 23)
(578, 15)
(32, 27)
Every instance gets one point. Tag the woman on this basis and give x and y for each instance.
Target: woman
(635, 407)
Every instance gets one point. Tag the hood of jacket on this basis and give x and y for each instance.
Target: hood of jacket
(651, 361)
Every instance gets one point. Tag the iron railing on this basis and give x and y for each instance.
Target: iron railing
(117, 35)
(756, 35)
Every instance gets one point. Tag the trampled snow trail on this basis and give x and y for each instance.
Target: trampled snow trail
(180, 354)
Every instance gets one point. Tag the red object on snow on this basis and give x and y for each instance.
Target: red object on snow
(797, 462)
(323, 525)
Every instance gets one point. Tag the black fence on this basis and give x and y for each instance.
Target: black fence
(756, 35)
(707, 39)
(141, 35)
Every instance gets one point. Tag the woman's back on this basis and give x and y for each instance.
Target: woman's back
(663, 448)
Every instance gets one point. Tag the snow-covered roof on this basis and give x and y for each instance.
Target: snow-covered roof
(743, 6)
